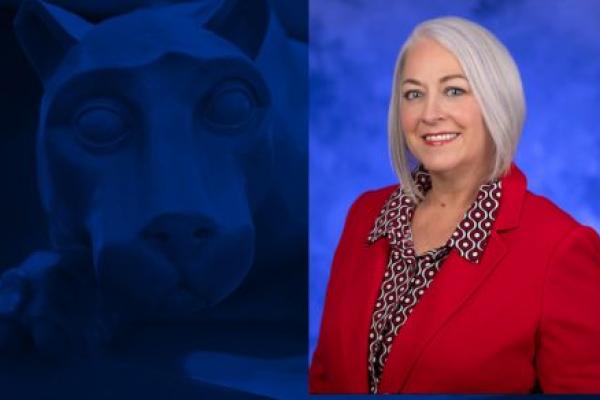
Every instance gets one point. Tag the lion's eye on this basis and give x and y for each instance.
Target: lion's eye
(100, 125)
(230, 105)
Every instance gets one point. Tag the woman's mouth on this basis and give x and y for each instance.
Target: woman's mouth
(440, 139)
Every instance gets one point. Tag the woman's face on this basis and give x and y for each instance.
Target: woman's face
(439, 114)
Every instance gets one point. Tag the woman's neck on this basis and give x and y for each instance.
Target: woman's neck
(453, 191)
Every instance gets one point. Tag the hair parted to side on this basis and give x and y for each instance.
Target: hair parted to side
(493, 77)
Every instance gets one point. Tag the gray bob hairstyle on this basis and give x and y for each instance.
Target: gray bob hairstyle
(494, 78)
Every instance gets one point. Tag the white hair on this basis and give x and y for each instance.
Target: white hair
(494, 78)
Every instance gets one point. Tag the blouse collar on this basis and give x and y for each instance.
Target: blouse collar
(471, 234)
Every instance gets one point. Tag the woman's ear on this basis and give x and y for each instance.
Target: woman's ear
(46, 33)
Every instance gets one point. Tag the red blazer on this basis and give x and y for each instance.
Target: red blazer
(526, 318)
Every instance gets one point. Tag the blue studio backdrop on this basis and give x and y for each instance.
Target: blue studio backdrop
(354, 44)
(153, 161)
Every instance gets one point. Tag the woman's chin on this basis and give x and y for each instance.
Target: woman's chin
(441, 165)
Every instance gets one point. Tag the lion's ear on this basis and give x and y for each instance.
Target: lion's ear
(46, 33)
(242, 22)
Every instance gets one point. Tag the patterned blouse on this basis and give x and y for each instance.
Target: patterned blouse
(407, 276)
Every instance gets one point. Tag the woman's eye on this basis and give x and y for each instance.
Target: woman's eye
(230, 105)
(412, 94)
(454, 91)
(100, 125)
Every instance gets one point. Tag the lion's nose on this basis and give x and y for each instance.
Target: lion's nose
(178, 228)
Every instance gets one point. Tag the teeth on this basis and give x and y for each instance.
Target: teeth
(440, 137)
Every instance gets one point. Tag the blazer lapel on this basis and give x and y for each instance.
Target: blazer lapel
(456, 281)
(365, 284)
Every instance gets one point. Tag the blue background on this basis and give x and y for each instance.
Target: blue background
(354, 43)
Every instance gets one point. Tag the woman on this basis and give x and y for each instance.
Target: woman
(460, 280)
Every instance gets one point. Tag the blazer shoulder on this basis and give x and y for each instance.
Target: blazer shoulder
(542, 207)
(546, 218)
(372, 201)
(366, 208)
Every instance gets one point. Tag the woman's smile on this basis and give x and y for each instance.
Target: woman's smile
(440, 139)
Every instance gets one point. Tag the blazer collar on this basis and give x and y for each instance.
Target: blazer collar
(514, 187)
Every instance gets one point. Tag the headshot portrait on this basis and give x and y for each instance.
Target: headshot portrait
(453, 198)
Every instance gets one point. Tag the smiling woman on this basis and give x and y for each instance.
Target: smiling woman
(417, 298)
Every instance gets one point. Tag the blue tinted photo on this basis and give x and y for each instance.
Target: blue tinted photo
(154, 166)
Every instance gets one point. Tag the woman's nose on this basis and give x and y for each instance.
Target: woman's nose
(432, 111)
